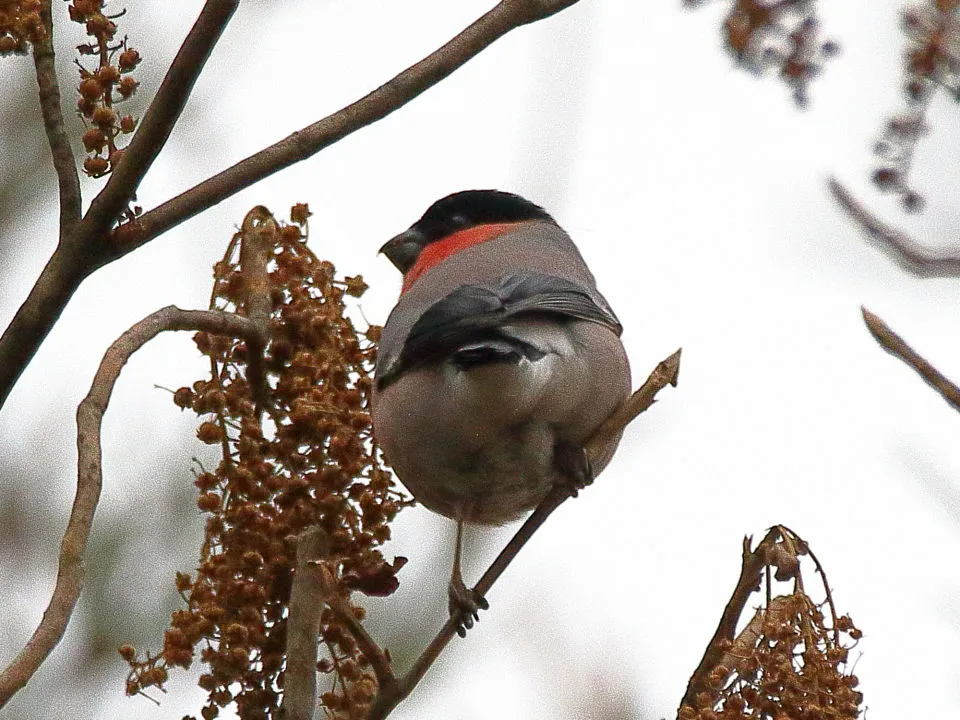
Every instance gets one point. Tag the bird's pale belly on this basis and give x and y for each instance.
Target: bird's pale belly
(490, 485)
(482, 444)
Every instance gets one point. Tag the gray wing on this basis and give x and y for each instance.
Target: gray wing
(473, 313)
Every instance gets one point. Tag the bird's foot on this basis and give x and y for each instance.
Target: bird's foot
(465, 605)
(574, 466)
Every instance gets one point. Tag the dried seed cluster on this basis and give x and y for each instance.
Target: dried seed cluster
(794, 669)
(20, 25)
(782, 35)
(110, 83)
(932, 61)
(933, 49)
(307, 460)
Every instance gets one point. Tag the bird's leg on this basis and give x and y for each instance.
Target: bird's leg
(573, 465)
(465, 603)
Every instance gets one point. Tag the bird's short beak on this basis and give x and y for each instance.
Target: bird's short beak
(404, 249)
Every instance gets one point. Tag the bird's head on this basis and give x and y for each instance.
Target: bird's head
(454, 214)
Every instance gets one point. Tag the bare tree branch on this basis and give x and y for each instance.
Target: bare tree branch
(303, 626)
(70, 574)
(69, 266)
(506, 16)
(64, 162)
(896, 346)
(903, 249)
(666, 373)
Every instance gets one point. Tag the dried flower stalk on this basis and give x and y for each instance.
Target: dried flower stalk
(294, 431)
(789, 662)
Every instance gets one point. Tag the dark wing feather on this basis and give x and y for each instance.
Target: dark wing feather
(549, 294)
(474, 312)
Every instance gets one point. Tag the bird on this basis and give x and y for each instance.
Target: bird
(497, 363)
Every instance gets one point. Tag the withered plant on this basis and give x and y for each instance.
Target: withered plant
(292, 423)
(777, 36)
(791, 660)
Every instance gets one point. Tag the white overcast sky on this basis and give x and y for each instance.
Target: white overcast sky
(697, 194)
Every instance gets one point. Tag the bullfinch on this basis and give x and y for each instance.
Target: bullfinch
(497, 363)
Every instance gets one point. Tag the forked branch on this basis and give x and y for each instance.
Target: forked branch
(158, 122)
(85, 244)
(752, 565)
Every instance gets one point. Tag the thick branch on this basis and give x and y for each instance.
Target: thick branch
(905, 251)
(64, 163)
(896, 346)
(157, 123)
(403, 88)
(90, 477)
(666, 373)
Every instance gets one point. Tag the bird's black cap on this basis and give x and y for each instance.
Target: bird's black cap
(455, 212)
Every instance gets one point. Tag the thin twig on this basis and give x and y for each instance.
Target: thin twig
(905, 251)
(158, 122)
(307, 596)
(66, 270)
(829, 595)
(896, 346)
(70, 573)
(64, 162)
(666, 373)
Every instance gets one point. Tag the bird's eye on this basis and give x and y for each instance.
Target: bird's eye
(459, 220)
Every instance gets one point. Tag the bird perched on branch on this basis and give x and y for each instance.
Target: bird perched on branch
(497, 363)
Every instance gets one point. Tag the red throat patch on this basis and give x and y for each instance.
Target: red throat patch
(436, 252)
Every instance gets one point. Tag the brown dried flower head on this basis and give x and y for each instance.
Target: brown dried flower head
(291, 420)
(931, 62)
(21, 24)
(102, 87)
(789, 662)
(778, 35)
